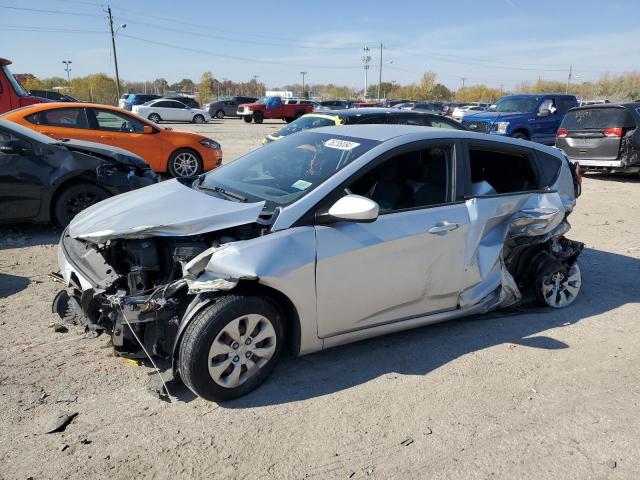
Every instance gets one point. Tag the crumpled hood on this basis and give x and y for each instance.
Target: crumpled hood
(493, 116)
(167, 209)
(116, 154)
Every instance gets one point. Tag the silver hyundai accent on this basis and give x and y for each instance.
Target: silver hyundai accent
(325, 237)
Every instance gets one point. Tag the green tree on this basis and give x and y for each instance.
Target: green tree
(205, 87)
(478, 93)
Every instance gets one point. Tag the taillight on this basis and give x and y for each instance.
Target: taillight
(613, 132)
(562, 132)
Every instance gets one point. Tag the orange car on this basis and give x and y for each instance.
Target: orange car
(182, 154)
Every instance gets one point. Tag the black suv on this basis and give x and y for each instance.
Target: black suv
(55, 96)
(188, 101)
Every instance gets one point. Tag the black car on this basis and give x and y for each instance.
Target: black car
(603, 137)
(336, 104)
(370, 115)
(55, 96)
(42, 179)
(188, 101)
(227, 107)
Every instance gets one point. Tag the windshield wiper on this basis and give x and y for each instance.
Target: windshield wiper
(225, 193)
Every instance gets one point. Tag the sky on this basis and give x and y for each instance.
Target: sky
(496, 42)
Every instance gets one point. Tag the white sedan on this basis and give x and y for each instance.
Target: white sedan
(460, 112)
(171, 111)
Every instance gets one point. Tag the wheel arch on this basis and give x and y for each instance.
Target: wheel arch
(191, 149)
(244, 287)
(522, 130)
(84, 177)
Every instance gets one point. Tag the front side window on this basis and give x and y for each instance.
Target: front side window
(494, 171)
(60, 117)
(516, 104)
(176, 105)
(117, 122)
(416, 179)
(284, 171)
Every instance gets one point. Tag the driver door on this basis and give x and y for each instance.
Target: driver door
(545, 128)
(407, 263)
(125, 131)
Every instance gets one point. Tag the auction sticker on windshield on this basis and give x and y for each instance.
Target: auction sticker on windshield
(340, 144)
(301, 184)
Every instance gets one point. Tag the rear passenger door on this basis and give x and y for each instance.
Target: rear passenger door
(407, 263)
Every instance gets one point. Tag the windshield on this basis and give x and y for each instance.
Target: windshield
(597, 119)
(304, 123)
(516, 104)
(14, 83)
(284, 171)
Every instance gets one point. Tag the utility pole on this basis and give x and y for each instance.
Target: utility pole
(380, 77)
(303, 74)
(255, 79)
(113, 45)
(464, 79)
(366, 58)
(569, 78)
(67, 68)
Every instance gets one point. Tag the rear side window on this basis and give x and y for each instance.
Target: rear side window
(494, 171)
(442, 123)
(597, 119)
(60, 117)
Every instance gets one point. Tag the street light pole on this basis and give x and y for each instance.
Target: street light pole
(569, 78)
(380, 78)
(366, 58)
(303, 74)
(255, 79)
(67, 69)
(113, 45)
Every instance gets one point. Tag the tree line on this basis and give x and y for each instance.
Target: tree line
(101, 88)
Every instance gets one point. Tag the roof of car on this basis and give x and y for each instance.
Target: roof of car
(369, 111)
(383, 133)
(629, 105)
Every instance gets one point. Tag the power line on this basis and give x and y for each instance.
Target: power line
(57, 12)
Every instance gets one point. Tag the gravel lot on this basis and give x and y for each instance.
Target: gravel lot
(546, 394)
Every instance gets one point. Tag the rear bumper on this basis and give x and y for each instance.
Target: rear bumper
(612, 166)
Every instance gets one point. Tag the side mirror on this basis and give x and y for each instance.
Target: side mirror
(148, 129)
(15, 147)
(544, 113)
(350, 208)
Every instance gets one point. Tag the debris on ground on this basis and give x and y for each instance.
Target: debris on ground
(58, 327)
(427, 430)
(612, 464)
(66, 397)
(60, 422)
(406, 442)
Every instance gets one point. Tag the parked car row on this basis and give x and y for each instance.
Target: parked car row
(129, 100)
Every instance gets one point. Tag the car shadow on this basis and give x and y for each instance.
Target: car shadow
(614, 177)
(609, 281)
(19, 236)
(11, 284)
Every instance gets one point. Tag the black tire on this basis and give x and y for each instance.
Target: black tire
(179, 160)
(75, 198)
(193, 356)
(220, 114)
(520, 135)
(258, 117)
(289, 120)
(247, 118)
(198, 119)
(155, 118)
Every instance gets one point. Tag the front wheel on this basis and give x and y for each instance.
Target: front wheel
(185, 163)
(231, 347)
(247, 118)
(559, 289)
(154, 117)
(72, 200)
(220, 114)
(198, 119)
(258, 117)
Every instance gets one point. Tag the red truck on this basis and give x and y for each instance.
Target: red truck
(12, 95)
(272, 107)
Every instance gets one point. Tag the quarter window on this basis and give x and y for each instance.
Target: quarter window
(415, 179)
(494, 171)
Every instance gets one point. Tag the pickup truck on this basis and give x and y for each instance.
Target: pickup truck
(535, 117)
(270, 108)
(12, 95)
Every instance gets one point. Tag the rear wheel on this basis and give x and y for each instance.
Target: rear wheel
(154, 117)
(520, 135)
(231, 347)
(559, 289)
(185, 163)
(220, 114)
(247, 118)
(258, 117)
(75, 198)
(198, 119)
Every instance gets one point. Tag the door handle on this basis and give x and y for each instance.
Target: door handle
(443, 227)
(106, 137)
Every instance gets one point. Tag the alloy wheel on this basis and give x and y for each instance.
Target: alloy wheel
(185, 164)
(241, 349)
